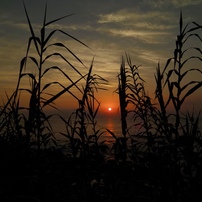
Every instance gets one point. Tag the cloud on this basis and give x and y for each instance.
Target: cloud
(144, 36)
(148, 27)
(17, 27)
(148, 56)
(131, 17)
(75, 27)
(113, 17)
(180, 3)
(169, 4)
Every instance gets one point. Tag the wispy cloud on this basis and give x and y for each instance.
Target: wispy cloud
(18, 26)
(75, 27)
(150, 27)
(149, 56)
(144, 36)
(131, 17)
(169, 4)
(179, 3)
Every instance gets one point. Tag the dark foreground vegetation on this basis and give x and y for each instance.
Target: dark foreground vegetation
(162, 161)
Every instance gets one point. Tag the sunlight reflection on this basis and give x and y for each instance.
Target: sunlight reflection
(110, 124)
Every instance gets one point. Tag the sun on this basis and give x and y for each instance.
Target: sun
(109, 109)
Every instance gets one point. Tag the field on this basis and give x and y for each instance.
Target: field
(162, 161)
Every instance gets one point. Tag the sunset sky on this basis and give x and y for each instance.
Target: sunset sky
(145, 29)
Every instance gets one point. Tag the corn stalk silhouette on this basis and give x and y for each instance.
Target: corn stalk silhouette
(174, 78)
(37, 124)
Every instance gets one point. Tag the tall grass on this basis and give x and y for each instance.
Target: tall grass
(36, 126)
(154, 114)
(162, 143)
(81, 127)
(154, 154)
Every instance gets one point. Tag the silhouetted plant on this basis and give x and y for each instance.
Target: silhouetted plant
(167, 144)
(169, 150)
(134, 104)
(36, 125)
(183, 135)
(164, 156)
(11, 119)
(81, 126)
(175, 78)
